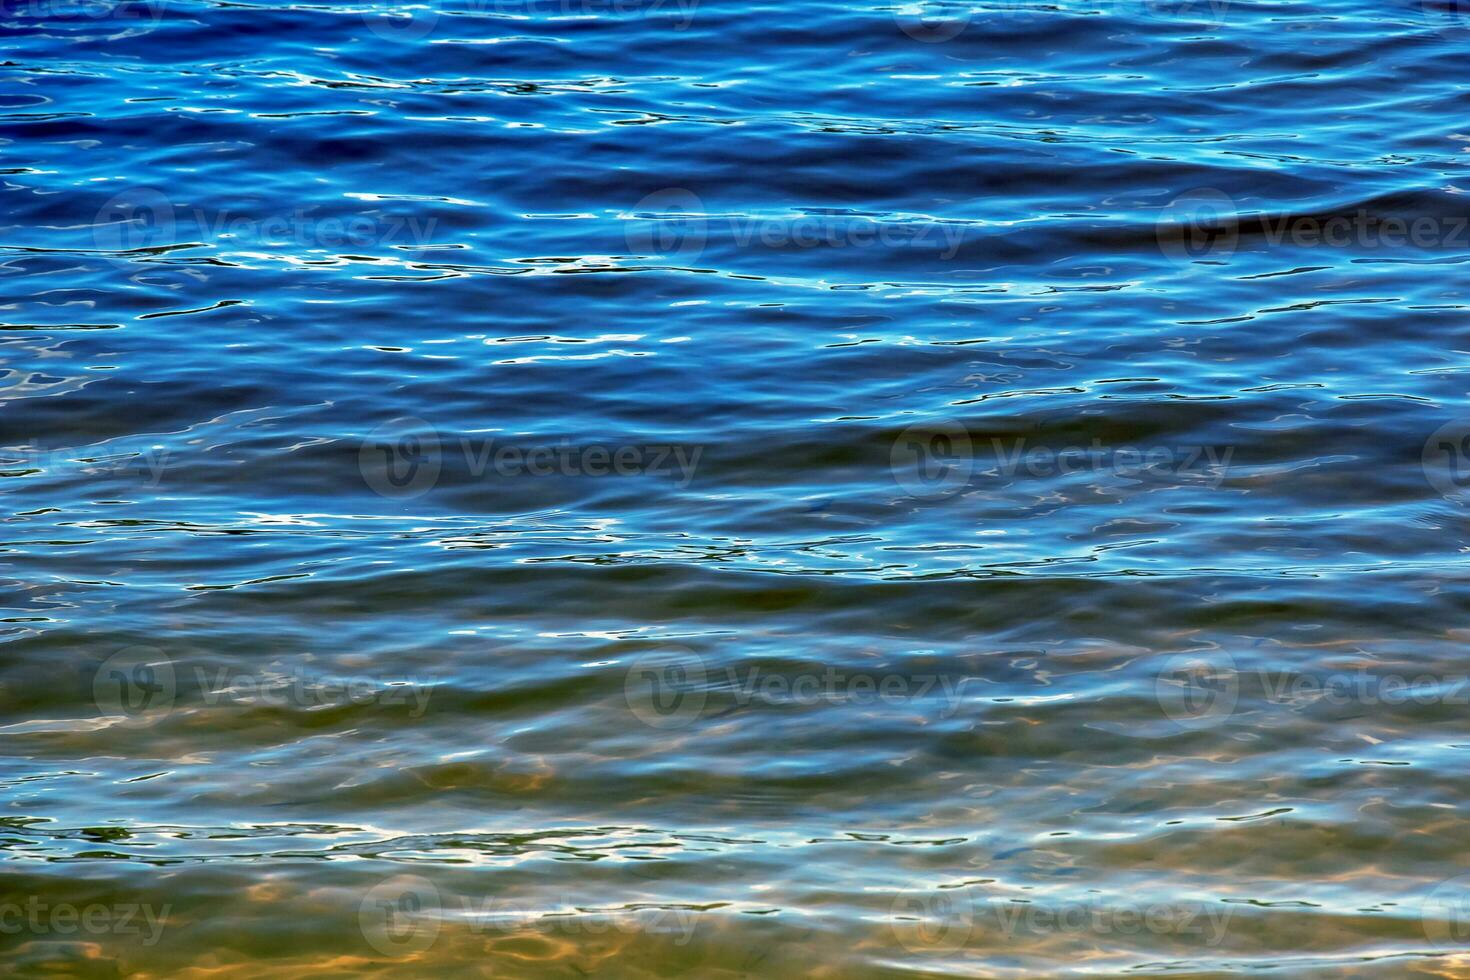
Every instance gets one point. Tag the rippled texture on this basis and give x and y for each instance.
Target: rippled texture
(299, 666)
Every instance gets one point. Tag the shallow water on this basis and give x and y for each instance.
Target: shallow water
(733, 489)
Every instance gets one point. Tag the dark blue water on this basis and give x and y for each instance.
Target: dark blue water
(648, 488)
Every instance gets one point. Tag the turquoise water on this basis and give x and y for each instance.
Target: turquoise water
(576, 488)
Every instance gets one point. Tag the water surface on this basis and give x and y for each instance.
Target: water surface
(563, 489)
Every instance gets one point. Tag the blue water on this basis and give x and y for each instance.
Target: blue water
(574, 488)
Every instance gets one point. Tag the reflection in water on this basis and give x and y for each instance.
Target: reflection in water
(555, 490)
